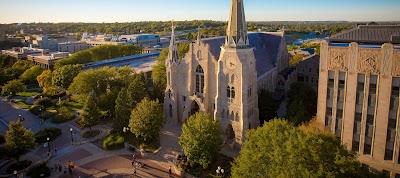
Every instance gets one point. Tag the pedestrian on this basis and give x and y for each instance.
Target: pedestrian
(55, 151)
(65, 169)
(70, 170)
(59, 167)
(170, 172)
(133, 157)
(134, 170)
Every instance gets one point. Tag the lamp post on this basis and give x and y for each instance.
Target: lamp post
(48, 143)
(72, 137)
(125, 129)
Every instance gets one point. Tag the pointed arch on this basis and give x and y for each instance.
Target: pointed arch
(199, 79)
(232, 116)
(237, 117)
(233, 79)
(233, 92)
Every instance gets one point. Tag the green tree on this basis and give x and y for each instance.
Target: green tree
(91, 114)
(14, 86)
(302, 103)
(137, 89)
(146, 119)
(29, 76)
(44, 81)
(279, 149)
(122, 111)
(200, 139)
(19, 140)
(63, 76)
(183, 48)
(78, 37)
(295, 60)
(159, 76)
(20, 67)
(267, 106)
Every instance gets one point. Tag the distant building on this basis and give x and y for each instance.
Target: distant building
(358, 93)
(21, 53)
(308, 71)
(43, 42)
(104, 40)
(72, 47)
(46, 59)
(143, 40)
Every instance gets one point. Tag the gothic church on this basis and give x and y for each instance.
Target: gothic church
(222, 75)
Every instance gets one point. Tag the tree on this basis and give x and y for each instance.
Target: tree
(200, 139)
(14, 86)
(279, 149)
(267, 106)
(295, 60)
(146, 119)
(91, 114)
(44, 81)
(137, 89)
(122, 111)
(159, 76)
(78, 37)
(183, 48)
(19, 140)
(302, 103)
(30, 75)
(20, 67)
(63, 76)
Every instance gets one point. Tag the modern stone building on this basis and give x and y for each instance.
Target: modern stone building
(222, 75)
(358, 93)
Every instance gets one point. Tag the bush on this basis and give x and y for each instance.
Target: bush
(90, 133)
(61, 118)
(56, 95)
(35, 109)
(51, 132)
(39, 169)
(45, 101)
(47, 115)
(113, 142)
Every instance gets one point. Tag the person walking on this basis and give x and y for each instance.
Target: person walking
(59, 168)
(170, 172)
(134, 170)
(65, 169)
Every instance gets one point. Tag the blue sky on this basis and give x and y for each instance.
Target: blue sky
(12, 11)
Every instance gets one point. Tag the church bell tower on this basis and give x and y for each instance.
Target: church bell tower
(236, 99)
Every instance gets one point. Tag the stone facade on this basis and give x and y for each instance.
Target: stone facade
(308, 71)
(222, 75)
(358, 100)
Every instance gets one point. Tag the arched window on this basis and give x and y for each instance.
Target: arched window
(237, 117)
(170, 110)
(233, 92)
(227, 114)
(232, 116)
(169, 78)
(169, 94)
(233, 78)
(228, 92)
(198, 54)
(199, 79)
(223, 113)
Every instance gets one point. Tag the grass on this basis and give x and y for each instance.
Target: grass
(28, 93)
(73, 106)
(113, 142)
(22, 105)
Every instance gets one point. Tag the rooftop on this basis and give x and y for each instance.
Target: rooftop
(369, 34)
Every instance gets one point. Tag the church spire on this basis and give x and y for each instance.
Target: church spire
(173, 47)
(236, 34)
(198, 36)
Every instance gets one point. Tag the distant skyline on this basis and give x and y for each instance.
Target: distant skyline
(28, 11)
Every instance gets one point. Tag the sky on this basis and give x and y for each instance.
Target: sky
(27, 11)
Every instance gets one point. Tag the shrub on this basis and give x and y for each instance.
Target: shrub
(45, 101)
(35, 109)
(113, 142)
(61, 118)
(47, 115)
(37, 170)
(18, 166)
(51, 132)
(90, 133)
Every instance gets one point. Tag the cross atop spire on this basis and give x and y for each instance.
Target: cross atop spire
(236, 33)
(173, 47)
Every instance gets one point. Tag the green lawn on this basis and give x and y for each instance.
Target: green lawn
(73, 106)
(22, 105)
(28, 93)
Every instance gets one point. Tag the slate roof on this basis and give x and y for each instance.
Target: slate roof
(371, 34)
(266, 48)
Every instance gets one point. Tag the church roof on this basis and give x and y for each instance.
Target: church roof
(372, 34)
(266, 48)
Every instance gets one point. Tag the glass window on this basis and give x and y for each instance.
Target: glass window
(199, 79)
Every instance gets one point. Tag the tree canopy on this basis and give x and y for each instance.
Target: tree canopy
(63, 76)
(200, 139)
(45, 81)
(280, 149)
(159, 76)
(267, 106)
(302, 103)
(29, 76)
(99, 53)
(14, 86)
(146, 119)
(91, 114)
(19, 140)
